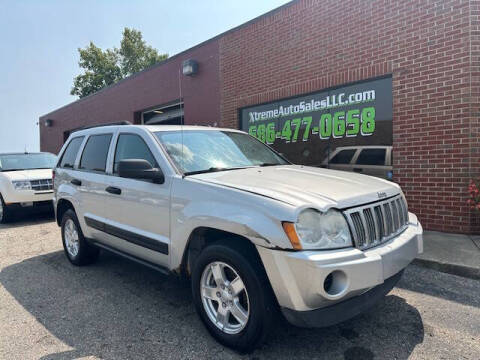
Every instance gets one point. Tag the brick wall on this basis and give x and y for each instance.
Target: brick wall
(157, 86)
(475, 99)
(430, 47)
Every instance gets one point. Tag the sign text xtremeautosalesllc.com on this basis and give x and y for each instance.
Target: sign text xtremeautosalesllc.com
(343, 112)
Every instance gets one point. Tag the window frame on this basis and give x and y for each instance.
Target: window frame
(114, 150)
(104, 172)
(80, 150)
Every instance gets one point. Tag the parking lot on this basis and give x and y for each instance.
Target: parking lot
(117, 309)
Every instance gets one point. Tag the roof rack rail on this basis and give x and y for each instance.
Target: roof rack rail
(101, 125)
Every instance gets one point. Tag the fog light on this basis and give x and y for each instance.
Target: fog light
(327, 284)
(336, 283)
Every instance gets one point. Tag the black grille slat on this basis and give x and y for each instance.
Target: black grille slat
(389, 219)
(401, 213)
(396, 224)
(374, 224)
(359, 230)
(380, 222)
(367, 213)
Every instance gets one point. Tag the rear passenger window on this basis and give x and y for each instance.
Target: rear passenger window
(371, 157)
(130, 146)
(94, 157)
(70, 153)
(343, 157)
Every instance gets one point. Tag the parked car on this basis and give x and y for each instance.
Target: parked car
(254, 232)
(25, 182)
(375, 160)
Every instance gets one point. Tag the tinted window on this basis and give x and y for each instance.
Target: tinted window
(343, 157)
(94, 155)
(371, 157)
(70, 154)
(132, 147)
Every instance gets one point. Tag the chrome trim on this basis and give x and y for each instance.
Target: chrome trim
(41, 185)
(394, 218)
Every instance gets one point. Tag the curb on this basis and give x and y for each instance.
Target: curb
(454, 269)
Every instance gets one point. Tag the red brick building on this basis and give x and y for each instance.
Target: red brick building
(429, 49)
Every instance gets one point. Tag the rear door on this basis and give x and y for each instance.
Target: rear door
(91, 182)
(138, 211)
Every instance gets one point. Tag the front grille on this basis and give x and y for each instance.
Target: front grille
(376, 223)
(42, 185)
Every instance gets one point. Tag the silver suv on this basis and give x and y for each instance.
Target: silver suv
(254, 233)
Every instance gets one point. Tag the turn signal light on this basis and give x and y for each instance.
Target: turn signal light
(289, 229)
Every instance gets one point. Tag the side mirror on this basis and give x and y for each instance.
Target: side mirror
(140, 169)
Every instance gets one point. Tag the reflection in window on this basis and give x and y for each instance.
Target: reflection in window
(203, 150)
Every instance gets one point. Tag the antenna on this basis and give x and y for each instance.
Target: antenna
(181, 113)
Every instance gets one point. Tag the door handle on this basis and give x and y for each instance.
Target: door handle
(76, 182)
(357, 169)
(113, 190)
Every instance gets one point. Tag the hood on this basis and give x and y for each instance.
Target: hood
(36, 174)
(302, 185)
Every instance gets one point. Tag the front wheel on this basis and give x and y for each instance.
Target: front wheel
(233, 297)
(4, 212)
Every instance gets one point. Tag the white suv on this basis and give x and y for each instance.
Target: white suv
(254, 232)
(25, 182)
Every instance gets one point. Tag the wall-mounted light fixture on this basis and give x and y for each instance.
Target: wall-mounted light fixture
(48, 122)
(189, 67)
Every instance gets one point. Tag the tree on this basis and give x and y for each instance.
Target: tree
(105, 67)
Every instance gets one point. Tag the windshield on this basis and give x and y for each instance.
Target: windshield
(209, 150)
(15, 162)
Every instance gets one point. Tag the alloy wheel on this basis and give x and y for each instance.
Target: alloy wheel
(224, 297)
(72, 241)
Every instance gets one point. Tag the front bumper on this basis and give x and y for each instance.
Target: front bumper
(344, 310)
(301, 279)
(26, 196)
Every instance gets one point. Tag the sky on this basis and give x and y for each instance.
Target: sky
(39, 57)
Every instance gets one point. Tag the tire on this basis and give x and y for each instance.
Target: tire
(78, 251)
(257, 298)
(5, 215)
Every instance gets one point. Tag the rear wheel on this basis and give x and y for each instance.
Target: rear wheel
(233, 297)
(78, 250)
(4, 212)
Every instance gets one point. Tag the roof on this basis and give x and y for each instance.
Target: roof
(153, 128)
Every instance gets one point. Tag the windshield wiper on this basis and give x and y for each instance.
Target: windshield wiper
(269, 164)
(213, 169)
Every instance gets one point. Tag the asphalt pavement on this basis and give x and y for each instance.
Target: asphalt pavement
(116, 309)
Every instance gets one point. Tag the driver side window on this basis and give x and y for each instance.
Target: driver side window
(131, 146)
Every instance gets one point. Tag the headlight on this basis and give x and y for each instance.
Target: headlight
(22, 185)
(316, 230)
